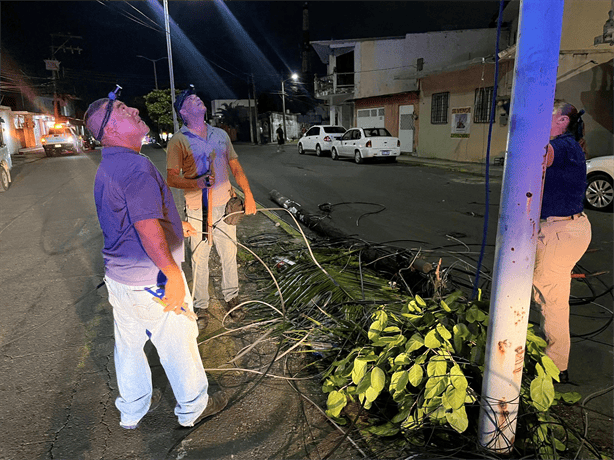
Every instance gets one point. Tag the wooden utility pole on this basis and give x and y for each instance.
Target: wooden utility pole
(53, 64)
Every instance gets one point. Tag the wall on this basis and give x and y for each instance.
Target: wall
(398, 58)
(377, 63)
(391, 110)
(590, 88)
(435, 141)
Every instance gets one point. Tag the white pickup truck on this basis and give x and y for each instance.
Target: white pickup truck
(62, 139)
(5, 160)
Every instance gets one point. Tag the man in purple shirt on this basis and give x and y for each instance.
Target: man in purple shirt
(143, 249)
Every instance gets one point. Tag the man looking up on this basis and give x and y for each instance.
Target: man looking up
(143, 246)
(196, 152)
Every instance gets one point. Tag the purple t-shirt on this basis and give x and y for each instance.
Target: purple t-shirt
(128, 188)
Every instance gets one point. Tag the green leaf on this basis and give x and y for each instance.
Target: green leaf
(443, 332)
(434, 387)
(462, 330)
(558, 445)
(550, 367)
(371, 394)
(422, 358)
(542, 392)
(392, 329)
(453, 398)
(457, 378)
(571, 397)
(437, 366)
(328, 386)
(364, 384)
(399, 380)
(540, 370)
(387, 429)
(535, 339)
(420, 301)
(359, 371)
(335, 403)
(402, 415)
(444, 305)
(431, 340)
(471, 315)
(454, 297)
(412, 422)
(378, 379)
(415, 375)
(402, 358)
(458, 419)
(414, 343)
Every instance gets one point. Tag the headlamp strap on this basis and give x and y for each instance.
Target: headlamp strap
(112, 97)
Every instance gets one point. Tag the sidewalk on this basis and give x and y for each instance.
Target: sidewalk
(460, 166)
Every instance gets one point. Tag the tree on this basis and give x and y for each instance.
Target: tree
(230, 115)
(159, 108)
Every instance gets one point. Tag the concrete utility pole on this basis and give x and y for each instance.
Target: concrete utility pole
(283, 101)
(169, 51)
(154, 67)
(256, 110)
(535, 71)
(251, 123)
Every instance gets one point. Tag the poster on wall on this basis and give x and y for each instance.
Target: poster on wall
(461, 121)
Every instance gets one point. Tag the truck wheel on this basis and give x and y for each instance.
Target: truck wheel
(48, 152)
(4, 179)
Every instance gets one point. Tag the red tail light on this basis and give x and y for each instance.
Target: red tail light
(368, 144)
(326, 138)
(398, 143)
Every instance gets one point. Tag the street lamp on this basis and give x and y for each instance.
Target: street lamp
(294, 77)
(154, 66)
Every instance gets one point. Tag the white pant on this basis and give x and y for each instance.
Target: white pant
(225, 242)
(136, 319)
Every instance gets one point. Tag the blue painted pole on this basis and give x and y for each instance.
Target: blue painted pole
(535, 71)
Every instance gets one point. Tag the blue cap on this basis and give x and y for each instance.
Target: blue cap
(181, 99)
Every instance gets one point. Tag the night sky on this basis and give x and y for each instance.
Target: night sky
(216, 46)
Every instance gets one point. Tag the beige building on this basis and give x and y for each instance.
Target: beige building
(455, 103)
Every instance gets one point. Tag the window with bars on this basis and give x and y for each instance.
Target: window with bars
(439, 108)
(483, 101)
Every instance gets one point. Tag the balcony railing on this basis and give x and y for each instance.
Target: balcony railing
(337, 83)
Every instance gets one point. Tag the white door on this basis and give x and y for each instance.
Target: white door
(406, 127)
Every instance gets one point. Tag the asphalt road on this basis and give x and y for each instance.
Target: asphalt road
(57, 382)
(417, 206)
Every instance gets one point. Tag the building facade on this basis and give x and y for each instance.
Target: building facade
(440, 85)
(375, 82)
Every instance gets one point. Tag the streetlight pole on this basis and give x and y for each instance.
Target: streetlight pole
(294, 77)
(154, 66)
(170, 64)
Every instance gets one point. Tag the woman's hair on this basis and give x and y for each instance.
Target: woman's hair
(576, 125)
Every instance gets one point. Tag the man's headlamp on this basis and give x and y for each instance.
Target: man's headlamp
(112, 97)
(181, 99)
